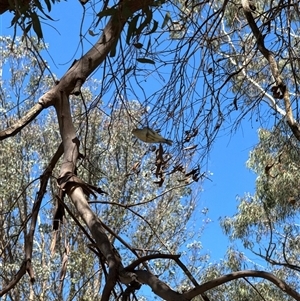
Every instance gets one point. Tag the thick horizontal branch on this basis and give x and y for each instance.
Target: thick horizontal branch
(159, 287)
(241, 274)
(44, 102)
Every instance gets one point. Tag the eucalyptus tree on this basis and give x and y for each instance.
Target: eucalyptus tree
(133, 203)
(266, 223)
(210, 59)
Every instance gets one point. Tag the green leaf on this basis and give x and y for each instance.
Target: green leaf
(14, 20)
(148, 46)
(146, 22)
(28, 27)
(38, 5)
(36, 25)
(145, 61)
(138, 45)
(131, 28)
(128, 70)
(48, 17)
(48, 3)
(166, 19)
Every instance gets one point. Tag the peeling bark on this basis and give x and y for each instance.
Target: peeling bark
(58, 97)
(71, 81)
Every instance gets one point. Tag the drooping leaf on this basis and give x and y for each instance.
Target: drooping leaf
(145, 61)
(148, 46)
(28, 27)
(128, 70)
(38, 5)
(48, 5)
(146, 22)
(36, 25)
(132, 28)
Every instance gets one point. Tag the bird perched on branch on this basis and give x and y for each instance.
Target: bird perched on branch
(148, 135)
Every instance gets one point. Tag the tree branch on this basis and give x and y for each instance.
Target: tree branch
(22, 122)
(16, 279)
(295, 127)
(241, 274)
(82, 68)
(158, 287)
(75, 77)
(26, 265)
(140, 260)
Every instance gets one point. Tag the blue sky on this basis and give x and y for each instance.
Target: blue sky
(227, 160)
(230, 179)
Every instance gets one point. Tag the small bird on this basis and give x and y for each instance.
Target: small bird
(148, 135)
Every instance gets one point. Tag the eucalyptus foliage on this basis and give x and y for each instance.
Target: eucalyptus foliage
(214, 62)
(136, 207)
(267, 223)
